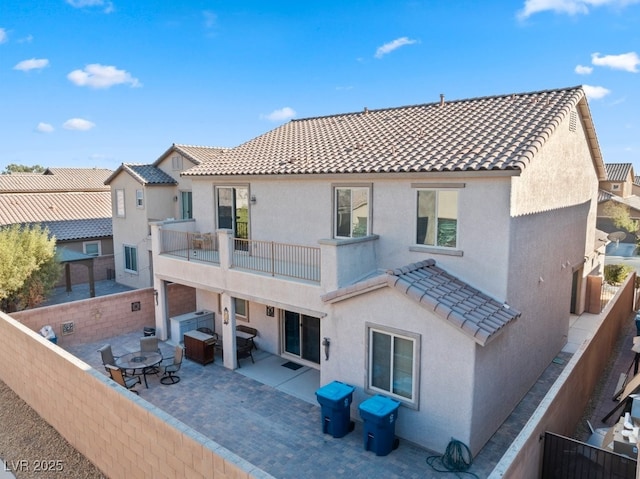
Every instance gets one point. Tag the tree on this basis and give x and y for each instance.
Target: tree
(621, 217)
(29, 267)
(13, 168)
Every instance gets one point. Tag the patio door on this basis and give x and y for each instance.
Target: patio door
(233, 212)
(301, 336)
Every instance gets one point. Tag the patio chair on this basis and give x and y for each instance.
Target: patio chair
(248, 333)
(123, 380)
(107, 356)
(149, 344)
(171, 366)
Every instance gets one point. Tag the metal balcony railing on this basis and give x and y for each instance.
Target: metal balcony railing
(278, 259)
(190, 246)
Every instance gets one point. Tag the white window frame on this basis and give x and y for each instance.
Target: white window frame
(133, 250)
(438, 189)
(336, 214)
(414, 400)
(140, 199)
(91, 243)
(240, 316)
(119, 203)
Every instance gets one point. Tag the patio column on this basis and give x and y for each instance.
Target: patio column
(230, 359)
(225, 248)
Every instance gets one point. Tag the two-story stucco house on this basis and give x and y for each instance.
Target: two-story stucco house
(430, 253)
(149, 192)
(618, 191)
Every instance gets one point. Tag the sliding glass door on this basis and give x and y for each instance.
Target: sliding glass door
(302, 336)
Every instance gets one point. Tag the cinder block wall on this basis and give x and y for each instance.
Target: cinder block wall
(564, 404)
(94, 318)
(121, 433)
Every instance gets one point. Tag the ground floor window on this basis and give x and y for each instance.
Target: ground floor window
(393, 359)
(130, 259)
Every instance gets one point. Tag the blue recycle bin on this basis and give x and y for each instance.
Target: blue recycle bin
(335, 402)
(379, 415)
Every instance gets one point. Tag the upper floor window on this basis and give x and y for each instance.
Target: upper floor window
(176, 163)
(139, 198)
(352, 212)
(186, 205)
(120, 203)
(91, 248)
(393, 361)
(437, 218)
(130, 259)
(615, 186)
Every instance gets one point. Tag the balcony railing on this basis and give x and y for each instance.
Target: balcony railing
(191, 246)
(277, 259)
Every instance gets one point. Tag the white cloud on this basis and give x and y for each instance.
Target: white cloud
(44, 128)
(210, 19)
(33, 64)
(595, 92)
(108, 6)
(583, 70)
(3, 35)
(281, 114)
(78, 124)
(626, 61)
(101, 76)
(393, 45)
(27, 39)
(570, 7)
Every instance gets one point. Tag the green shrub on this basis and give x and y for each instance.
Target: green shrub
(616, 273)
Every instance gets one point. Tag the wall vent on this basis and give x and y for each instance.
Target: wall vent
(573, 121)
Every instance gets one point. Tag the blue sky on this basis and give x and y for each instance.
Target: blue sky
(97, 83)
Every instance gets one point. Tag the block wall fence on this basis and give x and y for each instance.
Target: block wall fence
(119, 432)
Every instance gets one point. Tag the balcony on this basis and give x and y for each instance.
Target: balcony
(269, 257)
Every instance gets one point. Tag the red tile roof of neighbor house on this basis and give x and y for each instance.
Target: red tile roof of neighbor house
(618, 171)
(56, 180)
(496, 133)
(40, 207)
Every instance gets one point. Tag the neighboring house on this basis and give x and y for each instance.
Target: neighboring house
(75, 205)
(618, 189)
(429, 253)
(149, 192)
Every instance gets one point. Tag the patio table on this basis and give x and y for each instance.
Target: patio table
(139, 360)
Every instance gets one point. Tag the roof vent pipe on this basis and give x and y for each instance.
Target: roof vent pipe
(366, 110)
(441, 99)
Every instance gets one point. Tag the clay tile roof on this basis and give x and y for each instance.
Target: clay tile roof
(473, 312)
(56, 180)
(146, 175)
(496, 133)
(198, 154)
(80, 229)
(618, 171)
(40, 207)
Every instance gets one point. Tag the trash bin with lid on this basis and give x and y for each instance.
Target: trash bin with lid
(148, 331)
(335, 401)
(379, 415)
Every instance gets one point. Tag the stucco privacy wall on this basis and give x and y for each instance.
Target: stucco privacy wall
(121, 433)
(105, 316)
(561, 409)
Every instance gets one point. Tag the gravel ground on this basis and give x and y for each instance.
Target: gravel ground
(32, 449)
